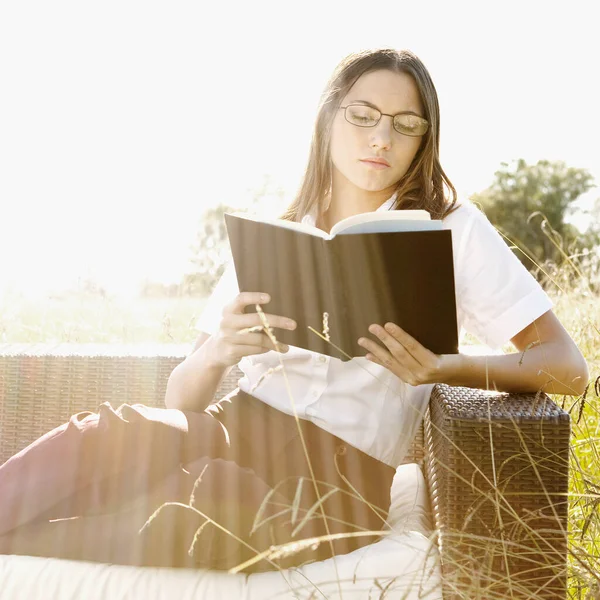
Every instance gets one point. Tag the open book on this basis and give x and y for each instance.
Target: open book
(376, 267)
(369, 222)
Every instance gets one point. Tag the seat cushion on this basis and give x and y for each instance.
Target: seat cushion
(404, 562)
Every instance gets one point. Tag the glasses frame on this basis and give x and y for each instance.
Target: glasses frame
(382, 114)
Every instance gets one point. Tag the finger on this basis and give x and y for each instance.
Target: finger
(252, 321)
(243, 350)
(244, 299)
(381, 356)
(273, 345)
(256, 340)
(422, 355)
(400, 353)
(268, 346)
(247, 350)
(256, 328)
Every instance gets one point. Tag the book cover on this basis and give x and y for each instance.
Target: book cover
(364, 271)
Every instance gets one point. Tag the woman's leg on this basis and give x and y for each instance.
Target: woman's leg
(85, 490)
(262, 450)
(96, 462)
(269, 443)
(158, 528)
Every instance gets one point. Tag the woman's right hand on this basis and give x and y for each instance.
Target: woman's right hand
(233, 341)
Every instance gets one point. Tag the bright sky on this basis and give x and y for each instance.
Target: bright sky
(121, 121)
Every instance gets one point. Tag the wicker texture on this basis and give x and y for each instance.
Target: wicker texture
(498, 468)
(41, 386)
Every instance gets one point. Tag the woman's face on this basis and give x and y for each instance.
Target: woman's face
(391, 93)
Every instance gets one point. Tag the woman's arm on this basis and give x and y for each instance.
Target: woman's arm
(193, 383)
(547, 359)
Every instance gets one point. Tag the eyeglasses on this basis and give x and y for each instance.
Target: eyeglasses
(367, 116)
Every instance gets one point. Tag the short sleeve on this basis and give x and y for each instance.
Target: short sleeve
(223, 293)
(495, 294)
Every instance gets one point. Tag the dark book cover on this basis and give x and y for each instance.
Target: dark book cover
(405, 278)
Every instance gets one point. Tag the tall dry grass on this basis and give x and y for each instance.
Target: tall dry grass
(575, 288)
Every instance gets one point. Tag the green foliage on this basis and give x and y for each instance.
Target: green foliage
(87, 318)
(210, 251)
(529, 204)
(591, 238)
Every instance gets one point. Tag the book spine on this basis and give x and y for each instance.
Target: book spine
(336, 301)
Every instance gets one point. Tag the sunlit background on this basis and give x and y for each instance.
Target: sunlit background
(120, 122)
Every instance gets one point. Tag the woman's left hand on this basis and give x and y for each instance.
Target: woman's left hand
(402, 355)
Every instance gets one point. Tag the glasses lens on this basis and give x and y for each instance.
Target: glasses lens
(363, 116)
(410, 125)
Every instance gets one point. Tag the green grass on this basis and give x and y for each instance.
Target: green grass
(85, 318)
(581, 317)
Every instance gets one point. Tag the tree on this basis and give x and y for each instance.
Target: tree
(591, 237)
(210, 251)
(529, 203)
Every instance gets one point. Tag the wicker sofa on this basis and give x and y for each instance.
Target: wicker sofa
(496, 465)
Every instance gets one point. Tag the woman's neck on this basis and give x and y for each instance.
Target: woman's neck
(347, 200)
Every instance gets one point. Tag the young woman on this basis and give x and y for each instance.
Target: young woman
(375, 147)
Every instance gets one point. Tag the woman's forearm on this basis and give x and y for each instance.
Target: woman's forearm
(547, 366)
(193, 383)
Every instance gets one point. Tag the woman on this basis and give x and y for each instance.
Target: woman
(375, 147)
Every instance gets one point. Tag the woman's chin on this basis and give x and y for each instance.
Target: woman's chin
(373, 181)
(375, 184)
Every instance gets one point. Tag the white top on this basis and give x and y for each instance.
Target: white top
(363, 403)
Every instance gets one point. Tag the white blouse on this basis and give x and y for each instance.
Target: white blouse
(364, 403)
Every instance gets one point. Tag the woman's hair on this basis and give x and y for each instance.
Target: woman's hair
(422, 186)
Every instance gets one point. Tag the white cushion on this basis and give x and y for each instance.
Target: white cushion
(405, 560)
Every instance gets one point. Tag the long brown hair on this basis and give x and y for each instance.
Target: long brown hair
(422, 186)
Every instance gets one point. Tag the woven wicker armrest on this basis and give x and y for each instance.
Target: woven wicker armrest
(497, 466)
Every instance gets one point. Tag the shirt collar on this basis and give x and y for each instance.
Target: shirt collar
(311, 218)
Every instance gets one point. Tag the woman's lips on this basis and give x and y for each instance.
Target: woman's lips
(375, 165)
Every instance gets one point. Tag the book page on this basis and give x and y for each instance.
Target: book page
(369, 222)
(294, 225)
(385, 222)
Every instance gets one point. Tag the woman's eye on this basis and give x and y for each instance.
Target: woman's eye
(361, 117)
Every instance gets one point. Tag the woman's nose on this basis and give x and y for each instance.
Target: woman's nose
(381, 134)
